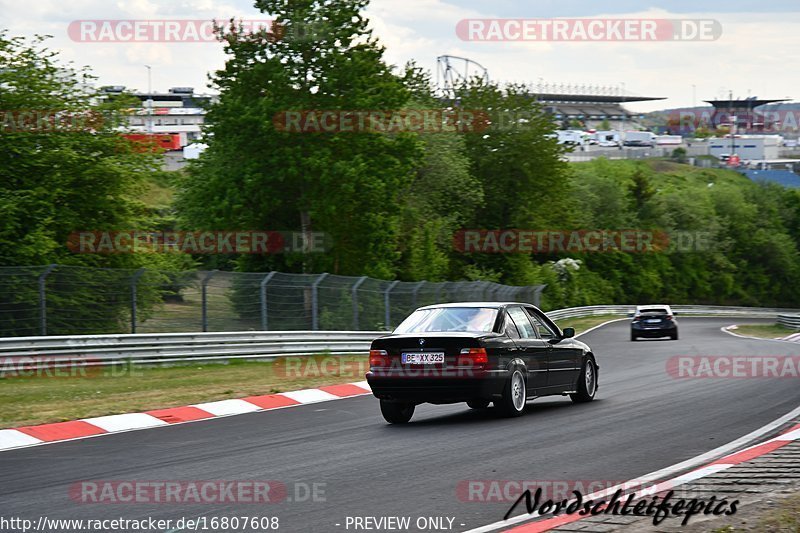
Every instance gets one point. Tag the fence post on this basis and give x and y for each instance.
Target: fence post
(205, 298)
(263, 297)
(388, 316)
(134, 280)
(414, 294)
(315, 301)
(354, 292)
(43, 299)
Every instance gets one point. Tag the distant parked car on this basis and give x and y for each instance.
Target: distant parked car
(654, 321)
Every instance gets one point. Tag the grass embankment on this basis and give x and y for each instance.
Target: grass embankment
(763, 331)
(70, 394)
(782, 516)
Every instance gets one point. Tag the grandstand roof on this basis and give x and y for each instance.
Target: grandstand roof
(593, 98)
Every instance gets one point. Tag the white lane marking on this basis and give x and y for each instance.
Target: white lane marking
(792, 435)
(125, 422)
(703, 459)
(699, 473)
(598, 326)
(228, 407)
(11, 438)
(310, 395)
(726, 329)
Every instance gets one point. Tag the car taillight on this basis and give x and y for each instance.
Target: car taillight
(475, 357)
(379, 358)
(669, 317)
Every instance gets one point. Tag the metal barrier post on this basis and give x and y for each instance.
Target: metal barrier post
(263, 297)
(134, 280)
(537, 295)
(315, 302)
(415, 292)
(43, 298)
(354, 292)
(205, 298)
(388, 316)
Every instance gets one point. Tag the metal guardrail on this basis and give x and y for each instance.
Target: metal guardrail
(790, 321)
(95, 350)
(687, 310)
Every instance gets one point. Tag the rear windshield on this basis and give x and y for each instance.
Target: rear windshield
(470, 319)
(653, 311)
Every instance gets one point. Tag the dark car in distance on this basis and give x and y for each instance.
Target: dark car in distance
(654, 321)
(478, 353)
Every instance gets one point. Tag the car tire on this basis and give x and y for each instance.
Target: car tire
(587, 382)
(478, 404)
(633, 337)
(514, 396)
(674, 336)
(396, 412)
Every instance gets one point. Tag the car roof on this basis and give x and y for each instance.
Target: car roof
(491, 305)
(653, 306)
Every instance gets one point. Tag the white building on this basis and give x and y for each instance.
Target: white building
(178, 111)
(747, 147)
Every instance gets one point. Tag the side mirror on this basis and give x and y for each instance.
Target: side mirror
(568, 333)
(630, 315)
(675, 313)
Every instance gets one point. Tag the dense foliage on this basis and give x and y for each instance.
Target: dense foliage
(391, 203)
(64, 168)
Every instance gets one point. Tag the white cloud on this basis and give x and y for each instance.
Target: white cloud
(754, 53)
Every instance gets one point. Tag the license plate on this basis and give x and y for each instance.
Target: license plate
(653, 320)
(419, 358)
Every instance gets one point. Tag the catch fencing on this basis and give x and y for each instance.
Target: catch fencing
(73, 300)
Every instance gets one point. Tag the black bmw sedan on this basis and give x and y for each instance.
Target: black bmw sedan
(478, 353)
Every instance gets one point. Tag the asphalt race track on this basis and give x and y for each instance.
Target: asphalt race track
(642, 420)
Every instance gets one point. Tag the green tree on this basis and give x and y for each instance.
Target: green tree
(64, 168)
(519, 165)
(345, 184)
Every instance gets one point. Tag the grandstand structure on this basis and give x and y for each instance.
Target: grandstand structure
(591, 106)
(744, 114)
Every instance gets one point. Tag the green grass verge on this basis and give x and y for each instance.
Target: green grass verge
(783, 515)
(771, 331)
(85, 392)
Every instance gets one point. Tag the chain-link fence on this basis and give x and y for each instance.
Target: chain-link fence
(70, 300)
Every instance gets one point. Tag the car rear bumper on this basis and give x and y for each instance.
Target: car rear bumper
(438, 389)
(654, 333)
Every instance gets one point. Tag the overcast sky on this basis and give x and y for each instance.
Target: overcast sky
(757, 53)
